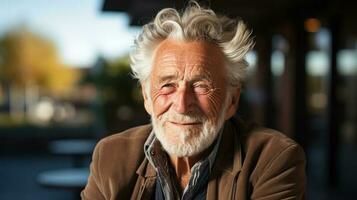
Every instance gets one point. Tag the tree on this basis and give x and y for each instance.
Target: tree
(29, 63)
(29, 59)
(119, 93)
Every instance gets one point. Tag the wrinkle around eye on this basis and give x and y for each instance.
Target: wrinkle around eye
(157, 95)
(167, 88)
(214, 99)
(208, 91)
(201, 88)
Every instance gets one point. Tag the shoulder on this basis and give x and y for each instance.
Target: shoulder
(255, 137)
(122, 149)
(263, 147)
(114, 163)
(272, 162)
(132, 136)
(261, 138)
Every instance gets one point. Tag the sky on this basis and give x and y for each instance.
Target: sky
(79, 29)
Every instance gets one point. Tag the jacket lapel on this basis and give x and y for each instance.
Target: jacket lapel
(228, 164)
(145, 184)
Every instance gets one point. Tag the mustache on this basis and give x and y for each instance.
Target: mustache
(183, 118)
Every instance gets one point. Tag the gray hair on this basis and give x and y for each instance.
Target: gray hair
(194, 23)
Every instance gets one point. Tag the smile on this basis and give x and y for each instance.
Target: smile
(185, 123)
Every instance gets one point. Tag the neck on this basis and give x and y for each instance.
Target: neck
(183, 165)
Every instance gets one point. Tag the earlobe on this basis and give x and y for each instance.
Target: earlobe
(233, 103)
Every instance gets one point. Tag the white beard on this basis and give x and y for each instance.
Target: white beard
(190, 141)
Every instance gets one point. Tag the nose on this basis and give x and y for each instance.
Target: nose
(183, 100)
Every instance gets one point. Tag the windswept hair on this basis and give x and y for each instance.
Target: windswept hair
(195, 23)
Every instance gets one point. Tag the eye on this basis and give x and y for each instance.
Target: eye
(167, 88)
(201, 88)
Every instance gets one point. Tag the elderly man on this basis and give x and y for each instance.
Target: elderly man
(191, 66)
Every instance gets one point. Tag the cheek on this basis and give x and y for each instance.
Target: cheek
(161, 103)
(211, 104)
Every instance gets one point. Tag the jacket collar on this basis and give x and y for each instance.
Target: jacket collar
(146, 169)
(229, 155)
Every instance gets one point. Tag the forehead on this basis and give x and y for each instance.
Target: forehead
(195, 57)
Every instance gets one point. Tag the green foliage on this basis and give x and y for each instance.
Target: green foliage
(27, 58)
(119, 92)
(116, 84)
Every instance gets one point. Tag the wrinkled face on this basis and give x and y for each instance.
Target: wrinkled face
(187, 97)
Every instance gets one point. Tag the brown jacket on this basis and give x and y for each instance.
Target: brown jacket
(251, 163)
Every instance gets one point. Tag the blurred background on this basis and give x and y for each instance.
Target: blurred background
(65, 83)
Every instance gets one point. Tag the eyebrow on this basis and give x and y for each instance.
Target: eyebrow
(165, 78)
(202, 76)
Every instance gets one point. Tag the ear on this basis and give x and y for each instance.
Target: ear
(147, 103)
(233, 103)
